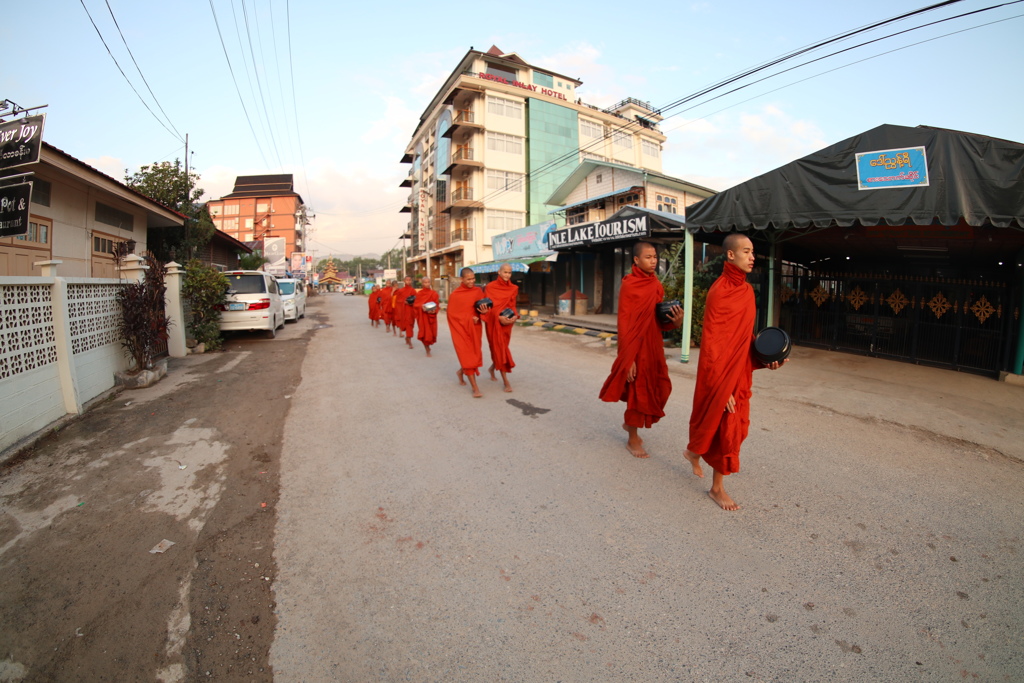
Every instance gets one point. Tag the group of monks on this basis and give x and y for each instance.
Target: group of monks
(470, 310)
(720, 417)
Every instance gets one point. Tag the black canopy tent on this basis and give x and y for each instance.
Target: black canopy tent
(962, 218)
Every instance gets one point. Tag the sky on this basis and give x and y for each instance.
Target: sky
(332, 91)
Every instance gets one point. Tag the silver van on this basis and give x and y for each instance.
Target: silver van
(293, 297)
(253, 303)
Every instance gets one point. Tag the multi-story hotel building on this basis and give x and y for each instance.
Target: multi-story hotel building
(261, 208)
(495, 143)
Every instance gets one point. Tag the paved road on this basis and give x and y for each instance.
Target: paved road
(423, 535)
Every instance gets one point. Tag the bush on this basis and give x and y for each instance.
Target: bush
(143, 325)
(205, 288)
(703, 277)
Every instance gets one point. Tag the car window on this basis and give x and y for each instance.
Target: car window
(286, 287)
(272, 286)
(244, 283)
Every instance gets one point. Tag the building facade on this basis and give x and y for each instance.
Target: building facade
(264, 208)
(77, 215)
(494, 144)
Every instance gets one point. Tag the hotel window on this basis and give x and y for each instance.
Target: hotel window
(507, 74)
(590, 129)
(543, 80)
(504, 107)
(262, 207)
(620, 139)
(215, 210)
(504, 180)
(38, 234)
(248, 224)
(230, 209)
(503, 221)
(230, 224)
(651, 149)
(41, 192)
(499, 142)
(116, 218)
(668, 204)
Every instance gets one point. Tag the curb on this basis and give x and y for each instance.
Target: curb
(584, 331)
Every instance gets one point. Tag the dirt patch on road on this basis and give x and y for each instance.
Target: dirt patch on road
(193, 460)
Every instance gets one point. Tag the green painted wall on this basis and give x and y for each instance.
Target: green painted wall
(552, 153)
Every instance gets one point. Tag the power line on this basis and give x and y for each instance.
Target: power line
(173, 133)
(259, 86)
(235, 81)
(291, 71)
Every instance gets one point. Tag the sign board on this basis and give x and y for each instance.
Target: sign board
(21, 141)
(273, 251)
(299, 264)
(523, 242)
(889, 168)
(599, 232)
(14, 201)
(390, 273)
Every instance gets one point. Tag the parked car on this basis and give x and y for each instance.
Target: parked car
(349, 289)
(253, 303)
(293, 298)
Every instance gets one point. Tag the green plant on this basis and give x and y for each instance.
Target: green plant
(703, 277)
(143, 324)
(205, 289)
(251, 261)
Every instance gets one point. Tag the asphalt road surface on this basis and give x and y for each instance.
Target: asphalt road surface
(424, 535)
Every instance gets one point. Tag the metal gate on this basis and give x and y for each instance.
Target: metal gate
(958, 324)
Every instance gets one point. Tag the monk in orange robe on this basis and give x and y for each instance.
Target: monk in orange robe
(387, 310)
(639, 375)
(404, 314)
(503, 294)
(466, 329)
(721, 396)
(374, 305)
(427, 322)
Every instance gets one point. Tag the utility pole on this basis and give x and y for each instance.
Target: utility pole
(188, 242)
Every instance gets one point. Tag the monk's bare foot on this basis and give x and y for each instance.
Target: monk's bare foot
(723, 500)
(408, 343)
(428, 351)
(462, 382)
(476, 389)
(491, 370)
(635, 445)
(694, 463)
(508, 388)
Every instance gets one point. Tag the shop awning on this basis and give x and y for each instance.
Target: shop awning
(519, 265)
(887, 176)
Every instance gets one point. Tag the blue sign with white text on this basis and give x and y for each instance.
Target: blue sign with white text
(890, 168)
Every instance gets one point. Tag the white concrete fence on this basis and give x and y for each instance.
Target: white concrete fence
(59, 345)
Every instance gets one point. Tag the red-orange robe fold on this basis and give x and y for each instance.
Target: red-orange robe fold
(427, 321)
(504, 295)
(403, 311)
(466, 334)
(374, 304)
(725, 368)
(640, 342)
(387, 311)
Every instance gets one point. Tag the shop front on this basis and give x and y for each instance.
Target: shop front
(526, 251)
(594, 257)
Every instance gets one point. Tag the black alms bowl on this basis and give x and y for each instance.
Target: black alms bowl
(480, 303)
(772, 345)
(411, 299)
(507, 313)
(663, 310)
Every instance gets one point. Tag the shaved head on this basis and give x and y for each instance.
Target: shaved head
(639, 247)
(462, 273)
(734, 240)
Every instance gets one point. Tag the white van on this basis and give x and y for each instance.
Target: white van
(253, 303)
(293, 298)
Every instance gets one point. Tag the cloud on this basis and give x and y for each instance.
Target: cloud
(112, 166)
(395, 124)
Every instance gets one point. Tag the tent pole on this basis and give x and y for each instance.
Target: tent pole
(684, 356)
(1018, 361)
(770, 320)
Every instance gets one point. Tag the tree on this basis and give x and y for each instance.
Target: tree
(168, 184)
(253, 261)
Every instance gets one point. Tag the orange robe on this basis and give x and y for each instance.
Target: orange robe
(427, 321)
(386, 310)
(504, 295)
(374, 303)
(466, 334)
(640, 342)
(404, 314)
(725, 368)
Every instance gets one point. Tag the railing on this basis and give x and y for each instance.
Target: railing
(462, 235)
(462, 194)
(463, 154)
(464, 116)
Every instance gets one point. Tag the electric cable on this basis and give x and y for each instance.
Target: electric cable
(259, 86)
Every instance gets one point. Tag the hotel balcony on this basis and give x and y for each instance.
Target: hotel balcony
(463, 160)
(462, 235)
(462, 198)
(463, 125)
(409, 201)
(465, 87)
(408, 182)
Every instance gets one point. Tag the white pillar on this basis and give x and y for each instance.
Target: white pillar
(48, 268)
(176, 347)
(134, 268)
(62, 342)
(684, 356)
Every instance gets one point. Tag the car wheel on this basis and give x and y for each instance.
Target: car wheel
(281, 326)
(271, 333)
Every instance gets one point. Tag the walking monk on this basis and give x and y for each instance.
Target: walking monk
(387, 311)
(721, 397)
(374, 302)
(464, 324)
(503, 294)
(404, 315)
(427, 321)
(639, 374)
